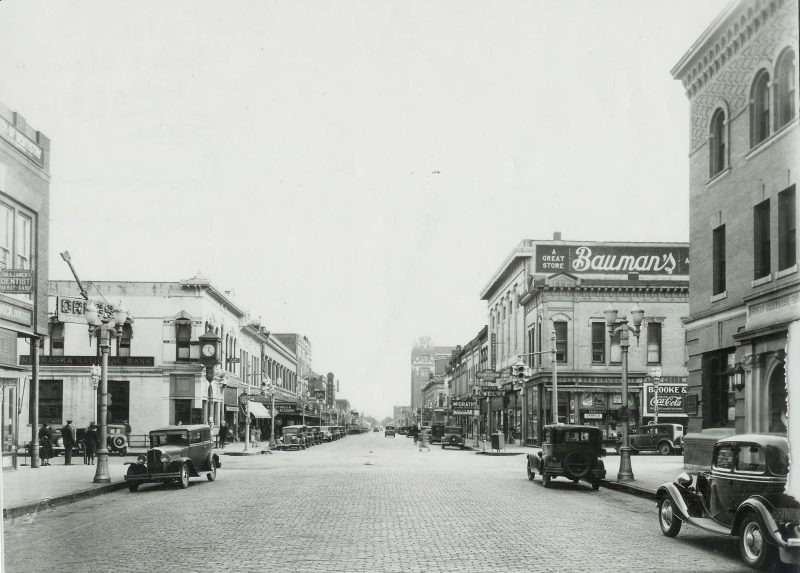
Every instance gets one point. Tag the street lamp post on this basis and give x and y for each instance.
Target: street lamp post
(100, 326)
(268, 389)
(96, 373)
(621, 326)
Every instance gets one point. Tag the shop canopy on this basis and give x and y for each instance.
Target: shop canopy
(258, 410)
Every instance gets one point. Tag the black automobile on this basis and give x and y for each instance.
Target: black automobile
(437, 433)
(176, 453)
(742, 496)
(293, 438)
(453, 437)
(570, 451)
(666, 439)
(413, 432)
(389, 431)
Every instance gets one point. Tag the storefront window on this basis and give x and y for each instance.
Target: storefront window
(119, 398)
(50, 401)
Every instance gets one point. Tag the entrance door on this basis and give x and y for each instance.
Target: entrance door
(777, 400)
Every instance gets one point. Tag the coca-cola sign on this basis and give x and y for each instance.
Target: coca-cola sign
(603, 259)
(671, 399)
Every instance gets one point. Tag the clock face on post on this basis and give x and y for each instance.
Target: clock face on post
(208, 350)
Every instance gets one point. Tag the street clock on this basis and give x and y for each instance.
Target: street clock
(209, 352)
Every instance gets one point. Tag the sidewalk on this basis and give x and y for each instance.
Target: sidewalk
(28, 490)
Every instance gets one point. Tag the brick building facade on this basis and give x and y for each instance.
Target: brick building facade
(741, 80)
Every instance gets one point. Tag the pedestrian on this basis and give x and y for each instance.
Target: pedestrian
(68, 438)
(90, 444)
(45, 444)
(425, 439)
(128, 431)
(223, 433)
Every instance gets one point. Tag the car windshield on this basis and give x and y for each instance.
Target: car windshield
(291, 431)
(453, 430)
(174, 438)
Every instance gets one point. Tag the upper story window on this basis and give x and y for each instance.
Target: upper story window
(718, 260)
(561, 341)
(598, 343)
(183, 337)
(787, 229)
(654, 343)
(57, 339)
(761, 244)
(785, 89)
(717, 141)
(23, 241)
(616, 349)
(16, 238)
(759, 109)
(124, 341)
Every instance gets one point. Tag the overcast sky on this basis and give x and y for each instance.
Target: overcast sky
(354, 170)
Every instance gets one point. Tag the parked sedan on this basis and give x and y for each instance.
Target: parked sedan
(176, 453)
(390, 431)
(293, 438)
(665, 439)
(742, 496)
(453, 437)
(570, 451)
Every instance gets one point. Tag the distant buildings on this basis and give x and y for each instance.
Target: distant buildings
(741, 80)
(427, 360)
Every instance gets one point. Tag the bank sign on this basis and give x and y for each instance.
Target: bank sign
(671, 399)
(601, 259)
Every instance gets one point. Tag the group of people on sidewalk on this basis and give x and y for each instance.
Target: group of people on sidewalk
(69, 441)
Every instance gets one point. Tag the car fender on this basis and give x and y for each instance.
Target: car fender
(214, 459)
(175, 466)
(763, 508)
(679, 507)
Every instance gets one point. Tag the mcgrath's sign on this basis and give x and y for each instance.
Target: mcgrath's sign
(69, 309)
(671, 399)
(463, 408)
(602, 259)
(16, 281)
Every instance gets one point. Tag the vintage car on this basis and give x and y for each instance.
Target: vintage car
(327, 433)
(389, 431)
(437, 433)
(453, 437)
(666, 439)
(571, 451)
(116, 440)
(176, 453)
(741, 496)
(293, 438)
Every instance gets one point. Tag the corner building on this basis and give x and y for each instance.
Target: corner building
(741, 80)
(550, 294)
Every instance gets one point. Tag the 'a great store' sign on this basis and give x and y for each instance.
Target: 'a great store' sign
(602, 259)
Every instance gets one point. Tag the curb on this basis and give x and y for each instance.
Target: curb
(630, 489)
(51, 502)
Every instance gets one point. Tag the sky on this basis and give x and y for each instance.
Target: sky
(357, 170)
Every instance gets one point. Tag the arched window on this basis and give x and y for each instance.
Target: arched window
(784, 89)
(759, 109)
(717, 140)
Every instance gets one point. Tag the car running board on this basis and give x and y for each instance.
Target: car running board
(709, 525)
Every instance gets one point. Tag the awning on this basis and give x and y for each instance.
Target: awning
(258, 410)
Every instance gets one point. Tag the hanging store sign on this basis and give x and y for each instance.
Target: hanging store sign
(16, 313)
(671, 399)
(463, 408)
(21, 142)
(16, 281)
(494, 350)
(603, 259)
(488, 375)
(287, 409)
(69, 309)
(148, 361)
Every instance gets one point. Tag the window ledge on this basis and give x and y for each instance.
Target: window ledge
(721, 175)
(766, 143)
(786, 272)
(720, 296)
(762, 281)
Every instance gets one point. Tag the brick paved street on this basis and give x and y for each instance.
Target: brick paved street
(366, 503)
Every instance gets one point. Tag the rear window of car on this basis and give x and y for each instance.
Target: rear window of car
(576, 436)
(724, 458)
(751, 459)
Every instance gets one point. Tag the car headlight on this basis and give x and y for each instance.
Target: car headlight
(141, 459)
(164, 458)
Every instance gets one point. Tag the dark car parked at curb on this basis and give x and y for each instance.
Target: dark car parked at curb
(293, 438)
(570, 451)
(389, 431)
(453, 437)
(116, 440)
(741, 496)
(666, 439)
(176, 453)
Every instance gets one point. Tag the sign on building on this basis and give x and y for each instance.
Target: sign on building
(69, 309)
(605, 259)
(16, 281)
(463, 408)
(671, 399)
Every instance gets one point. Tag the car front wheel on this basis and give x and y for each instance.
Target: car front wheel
(133, 485)
(754, 548)
(183, 480)
(212, 475)
(664, 449)
(670, 524)
(546, 480)
(531, 473)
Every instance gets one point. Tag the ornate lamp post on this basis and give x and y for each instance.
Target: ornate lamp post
(268, 389)
(96, 373)
(102, 327)
(621, 326)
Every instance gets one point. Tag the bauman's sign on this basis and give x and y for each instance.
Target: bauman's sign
(600, 259)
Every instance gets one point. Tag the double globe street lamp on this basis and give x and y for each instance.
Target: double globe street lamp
(620, 326)
(104, 327)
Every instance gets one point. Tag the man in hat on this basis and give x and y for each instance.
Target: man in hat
(68, 437)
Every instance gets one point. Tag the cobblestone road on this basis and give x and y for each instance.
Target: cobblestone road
(365, 503)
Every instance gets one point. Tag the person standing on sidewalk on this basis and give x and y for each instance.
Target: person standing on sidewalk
(45, 444)
(128, 431)
(223, 433)
(90, 444)
(68, 437)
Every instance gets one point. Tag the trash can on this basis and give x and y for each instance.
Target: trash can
(498, 441)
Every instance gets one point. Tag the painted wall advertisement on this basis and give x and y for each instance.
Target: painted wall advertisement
(671, 400)
(603, 259)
